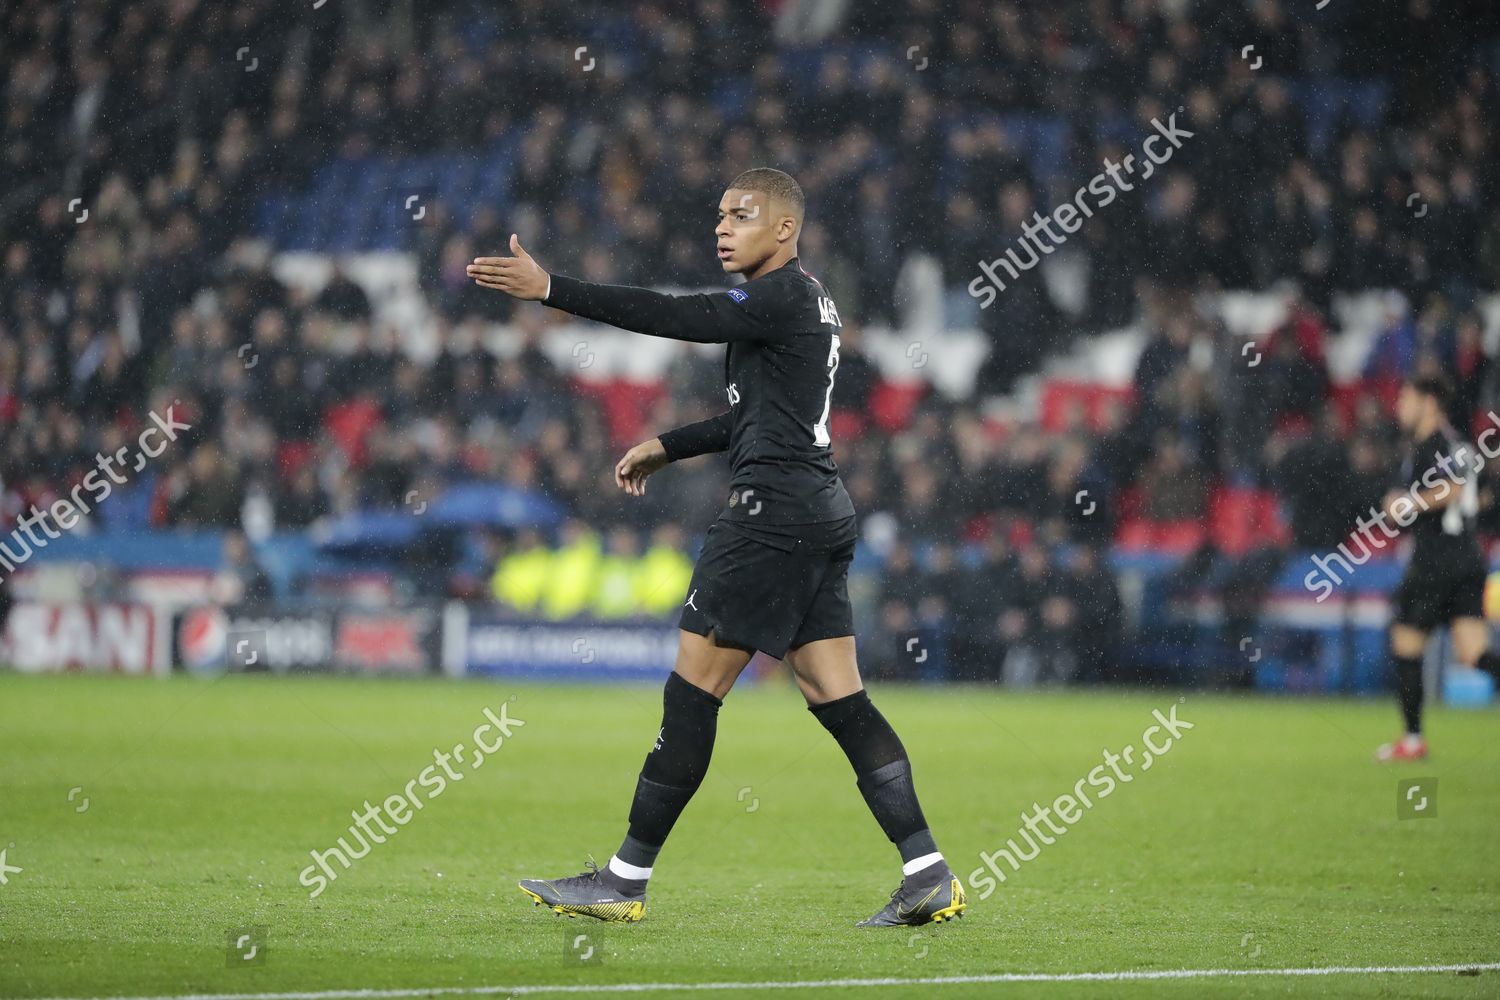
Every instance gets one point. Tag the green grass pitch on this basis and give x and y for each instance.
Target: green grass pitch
(152, 821)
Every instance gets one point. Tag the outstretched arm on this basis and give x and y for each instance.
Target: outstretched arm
(712, 318)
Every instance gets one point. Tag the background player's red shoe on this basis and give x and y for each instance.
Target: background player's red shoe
(1408, 747)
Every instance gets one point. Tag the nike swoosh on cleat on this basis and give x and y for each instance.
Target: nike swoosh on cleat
(902, 914)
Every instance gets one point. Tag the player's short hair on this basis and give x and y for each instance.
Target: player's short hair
(1434, 386)
(775, 183)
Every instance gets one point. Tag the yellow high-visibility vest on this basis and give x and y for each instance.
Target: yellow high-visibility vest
(661, 580)
(615, 595)
(521, 577)
(571, 579)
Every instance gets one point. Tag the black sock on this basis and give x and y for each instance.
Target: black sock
(671, 774)
(1489, 662)
(632, 852)
(882, 769)
(1409, 691)
(638, 853)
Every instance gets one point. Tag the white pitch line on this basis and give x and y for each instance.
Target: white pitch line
(826, 984)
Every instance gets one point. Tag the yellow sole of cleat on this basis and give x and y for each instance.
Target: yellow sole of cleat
(948, 913)
(617, 913)
(959, 905)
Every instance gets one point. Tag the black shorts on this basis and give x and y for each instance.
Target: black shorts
(772, 588)
(1433, 594)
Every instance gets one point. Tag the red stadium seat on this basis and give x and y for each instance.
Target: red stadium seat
(626, 405)
(1020, 534)
(1179, 537)
(1346, 396)
(892, 404)
(1137, 531)
(1062, 399)
(291, 456)
(1134, 535)
(1232, 513)
(845, 425)
(1242, 518)
(1270, 521)
(350, 423)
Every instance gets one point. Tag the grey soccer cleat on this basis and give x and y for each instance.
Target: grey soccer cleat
(913, 903)
(585, 895)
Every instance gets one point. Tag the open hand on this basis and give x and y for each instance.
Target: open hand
(518, 276)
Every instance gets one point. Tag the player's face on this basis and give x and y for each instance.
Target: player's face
(746, 237)
(1409, 407)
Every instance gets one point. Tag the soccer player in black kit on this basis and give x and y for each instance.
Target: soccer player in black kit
(772, 575)
(1444, 581)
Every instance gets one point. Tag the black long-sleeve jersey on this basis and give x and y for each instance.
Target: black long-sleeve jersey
(1446, 536)
(783, 335)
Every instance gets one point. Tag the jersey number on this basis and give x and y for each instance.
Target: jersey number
(820, 429)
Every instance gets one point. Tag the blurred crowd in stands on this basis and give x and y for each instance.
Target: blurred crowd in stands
(1360, 154)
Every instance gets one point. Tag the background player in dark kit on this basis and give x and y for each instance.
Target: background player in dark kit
(1444, 582)
(772, 574)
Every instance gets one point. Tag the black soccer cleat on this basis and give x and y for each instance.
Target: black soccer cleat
(916, 903)
(585, 895)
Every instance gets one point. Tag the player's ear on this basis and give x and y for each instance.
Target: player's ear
(786, 228)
